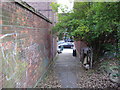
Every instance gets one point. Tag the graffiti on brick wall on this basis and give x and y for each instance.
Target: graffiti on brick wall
(11, 64)
(18, 58)
(25, 47)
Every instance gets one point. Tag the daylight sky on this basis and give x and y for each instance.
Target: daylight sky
(68, 3)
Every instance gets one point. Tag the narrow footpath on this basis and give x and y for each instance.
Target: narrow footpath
(67, 72)
(67, 67)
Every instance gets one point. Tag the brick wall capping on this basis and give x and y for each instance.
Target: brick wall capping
(31, 9)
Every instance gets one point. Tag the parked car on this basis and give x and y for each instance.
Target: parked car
(60, 42)
(66, 45)
(59, 50)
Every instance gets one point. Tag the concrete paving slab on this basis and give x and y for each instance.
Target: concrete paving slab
(66, 68)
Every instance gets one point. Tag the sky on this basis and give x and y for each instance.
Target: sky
(67, 3)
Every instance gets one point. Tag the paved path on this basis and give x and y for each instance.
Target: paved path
(66, 67)
(67, 72)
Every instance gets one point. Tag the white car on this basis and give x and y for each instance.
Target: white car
(66, 45)
(60, 42)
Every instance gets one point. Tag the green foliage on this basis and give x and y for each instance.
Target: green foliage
(97, 23)
(81, 32)
(55, 6)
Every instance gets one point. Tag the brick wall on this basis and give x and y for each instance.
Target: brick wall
(26, 49)
(79, 45)
(46, 9)
(43, 7)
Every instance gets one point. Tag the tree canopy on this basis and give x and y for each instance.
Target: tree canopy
(97, 23)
